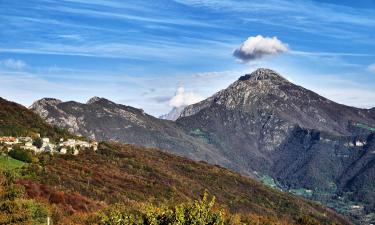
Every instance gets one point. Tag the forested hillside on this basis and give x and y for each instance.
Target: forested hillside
(16, 120)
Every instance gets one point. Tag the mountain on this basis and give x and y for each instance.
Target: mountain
(17, 120)
(259, 113)
(262, 126)
(265, 93)
(266, 124)
(173, 114)
(79, 189)
(105, 120)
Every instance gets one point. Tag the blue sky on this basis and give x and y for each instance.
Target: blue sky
(139, 52)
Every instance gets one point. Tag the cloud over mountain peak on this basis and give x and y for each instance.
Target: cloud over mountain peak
(259, 47)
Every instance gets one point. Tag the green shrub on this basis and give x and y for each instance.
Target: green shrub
(306, 220)
(200, 212)
(21, 154)
(38, 142)
(14, 207)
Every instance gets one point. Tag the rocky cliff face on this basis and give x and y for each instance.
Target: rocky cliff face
(265, 93)
(102, 119)
(255, 115)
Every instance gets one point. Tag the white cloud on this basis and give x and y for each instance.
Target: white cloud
(74, 37)
(371, 68)
(183, 98)
(258, 47)
(290, 79)
(14, 64)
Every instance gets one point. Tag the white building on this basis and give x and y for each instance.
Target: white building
(30, 146)
(76, 145)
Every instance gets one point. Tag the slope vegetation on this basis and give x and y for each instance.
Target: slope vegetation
(127, 174)
(16, 120)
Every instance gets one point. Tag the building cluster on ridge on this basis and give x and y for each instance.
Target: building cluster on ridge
(70, 145)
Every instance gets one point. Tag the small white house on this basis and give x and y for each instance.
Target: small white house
(45, 140)
(63, 151)
(359, 143)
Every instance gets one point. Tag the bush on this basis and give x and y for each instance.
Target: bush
(200, 212)
(38, 142)
(14, 207)
(21, 154)
(305, 220)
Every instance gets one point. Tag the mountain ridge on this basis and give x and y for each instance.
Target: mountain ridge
(103, 119)
(262, 124)
(265, 85)
(77, 189)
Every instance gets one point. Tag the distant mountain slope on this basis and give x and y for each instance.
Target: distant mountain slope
(102, 119)
(125, 173)
(17, 120)
(173, 114)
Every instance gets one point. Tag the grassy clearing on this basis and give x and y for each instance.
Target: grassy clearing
(364, 126)
(8, 163)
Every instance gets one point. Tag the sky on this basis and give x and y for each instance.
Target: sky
(158, 54)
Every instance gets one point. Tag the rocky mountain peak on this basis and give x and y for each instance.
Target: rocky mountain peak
(96, 99)
(263, 74)
(46, 101)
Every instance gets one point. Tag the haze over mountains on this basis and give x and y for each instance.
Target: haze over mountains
(261, 125)
(174, 114)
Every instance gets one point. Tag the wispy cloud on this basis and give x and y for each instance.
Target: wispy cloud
(152, 49)
(332, 20)
(129, 17)
(121, 50)
(305, 53)
(306, 9)
(14, 64)
(358, 97)
(75, 37)
(371, 68)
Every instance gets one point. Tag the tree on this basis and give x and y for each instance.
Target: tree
(38, 142)
(21, 154)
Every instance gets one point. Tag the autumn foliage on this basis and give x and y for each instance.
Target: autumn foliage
(129, 181)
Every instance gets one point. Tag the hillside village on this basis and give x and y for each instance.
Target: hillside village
(39, 145)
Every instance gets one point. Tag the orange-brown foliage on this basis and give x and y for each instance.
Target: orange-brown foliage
(73, 202)
(125, 173)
